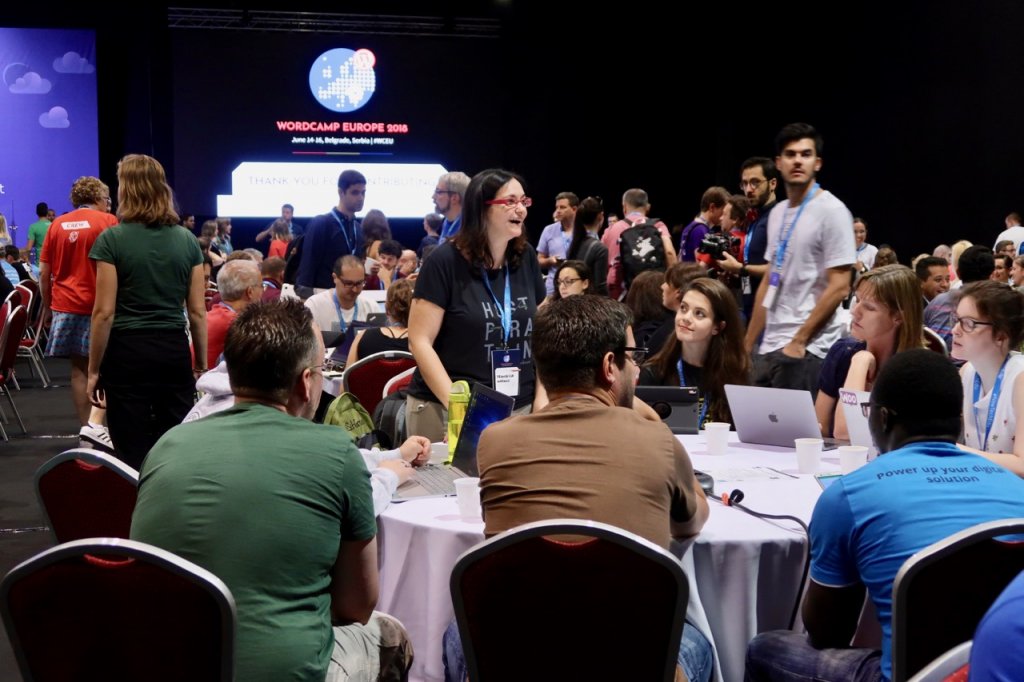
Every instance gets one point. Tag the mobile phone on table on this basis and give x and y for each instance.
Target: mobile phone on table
(825, 480)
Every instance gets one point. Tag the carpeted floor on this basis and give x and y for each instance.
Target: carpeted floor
(52, 428)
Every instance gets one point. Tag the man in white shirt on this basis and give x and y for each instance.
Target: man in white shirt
(810, 252)
(1014, 231)
(337, 308)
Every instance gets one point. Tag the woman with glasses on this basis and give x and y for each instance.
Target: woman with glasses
(586, 245)
(147, 269)
(572, 277)
(706, 350)
(887, 319)
(987, 331)
(473, 307)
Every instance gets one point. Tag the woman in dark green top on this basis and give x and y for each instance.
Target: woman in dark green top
(147, 269)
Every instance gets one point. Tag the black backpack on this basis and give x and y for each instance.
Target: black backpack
(641, 249)
(389, 417)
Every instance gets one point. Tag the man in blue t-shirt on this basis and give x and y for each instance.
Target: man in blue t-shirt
(866, 525)
(332, 235)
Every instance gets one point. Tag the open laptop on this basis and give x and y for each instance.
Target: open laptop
(678, 407)
(486, 406)
(856, 422)
(773, 416)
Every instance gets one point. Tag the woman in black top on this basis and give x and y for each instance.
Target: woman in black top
(393, 337)
(586, 246)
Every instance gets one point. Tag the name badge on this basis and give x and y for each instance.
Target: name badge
(774, 280)
(745, 285)
(505, 371)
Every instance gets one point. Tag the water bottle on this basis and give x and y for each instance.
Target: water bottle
(458, 403)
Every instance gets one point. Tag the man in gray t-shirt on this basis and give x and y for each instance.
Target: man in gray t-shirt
(810, 252)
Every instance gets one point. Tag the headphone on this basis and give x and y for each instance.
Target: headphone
(734, 498)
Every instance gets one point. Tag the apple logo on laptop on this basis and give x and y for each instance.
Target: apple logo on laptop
(772, 418)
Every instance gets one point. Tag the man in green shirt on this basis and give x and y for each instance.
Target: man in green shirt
(278, 508)
(37, 230)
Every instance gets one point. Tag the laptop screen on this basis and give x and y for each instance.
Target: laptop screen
(486, 406)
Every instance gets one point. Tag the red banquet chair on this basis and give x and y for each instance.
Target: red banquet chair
(10, 340)
(366, 378)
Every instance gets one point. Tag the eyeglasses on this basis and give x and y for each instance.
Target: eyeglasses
(752, 184)
(569, 281)
(637, 355)
(969, 324)
(443, 191)
(359, 284)
(510, 202)
(865, 409)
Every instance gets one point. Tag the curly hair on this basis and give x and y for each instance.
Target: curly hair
(88, 190)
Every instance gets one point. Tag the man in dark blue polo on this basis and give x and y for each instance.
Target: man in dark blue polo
(332, 235)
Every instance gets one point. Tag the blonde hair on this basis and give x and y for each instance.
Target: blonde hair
(957, 249)
(897, 288)
(143, 195)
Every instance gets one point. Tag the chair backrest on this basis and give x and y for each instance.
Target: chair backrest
(27, 297)
(398, 382)
(941, 593)
(949, 667)
(87, 494)
(530, 605)
(10, 340)
(15, 298)
(934, 342)
(366, 378)
(114, 609)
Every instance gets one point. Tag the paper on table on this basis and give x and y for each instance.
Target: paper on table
(740, 474)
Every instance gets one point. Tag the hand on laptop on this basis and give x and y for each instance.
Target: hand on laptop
(400, 467)
(415, 450)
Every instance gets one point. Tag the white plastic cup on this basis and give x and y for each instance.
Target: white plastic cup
(467, 493)
(852, 457)
(808, 454)
(438, 453)
(717, 435)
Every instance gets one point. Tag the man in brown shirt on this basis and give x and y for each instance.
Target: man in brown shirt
(587, 454)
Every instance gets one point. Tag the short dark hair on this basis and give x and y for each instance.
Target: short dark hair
(42, 209)
(268, 346)
(288, 206)
(390, 247)
(571, 336)
(1002, 305)
(349, 178)
(434, 220)
(1007, 261)
(273, 267)
(976, 264)
(12, 251)
(1001, 244)
(573, 200)
(766, 164)
(348, 259)
(798, 131)
(924, 265)
(714, 196)
(922, 390)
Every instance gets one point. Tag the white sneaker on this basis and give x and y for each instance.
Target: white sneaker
(95, 437)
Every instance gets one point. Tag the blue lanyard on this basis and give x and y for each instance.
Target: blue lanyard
(746, 242)
(993, 402)
(704, 399)
(566, 243)
(348, 242)
(449, 228)
(780, 252)
(341, 318)
(506, 310)
(225, 305)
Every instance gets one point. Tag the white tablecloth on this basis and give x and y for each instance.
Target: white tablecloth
(744, 571)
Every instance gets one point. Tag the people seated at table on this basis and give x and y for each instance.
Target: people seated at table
(869, 522)
(475, 295)
(395, 335)
(644, 299)
(388, 253)
(272, 270)
(335, 309)
(278, 508)
(887, 319)
(706, 350)
(568, 459)
(997, 654)
(573, 277)
(988, 327)
(239, 284)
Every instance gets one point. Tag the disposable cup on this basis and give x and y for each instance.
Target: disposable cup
(808, 454)
(717, 436)
(852, 457)
(467, 492)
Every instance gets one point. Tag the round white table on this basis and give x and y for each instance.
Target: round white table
(744, 572)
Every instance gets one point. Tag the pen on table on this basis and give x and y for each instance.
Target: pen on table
(780, 472)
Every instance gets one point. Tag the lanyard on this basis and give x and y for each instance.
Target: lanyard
(506, 310)
(225, 305)
(348, 242)
(705, 401)
(449, 228)
(566, 243)
(993, 402)
(780, 252)
(746, 243)
(272, 285)
(341, 317)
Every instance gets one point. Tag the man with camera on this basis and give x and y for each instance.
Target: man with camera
(711, 206)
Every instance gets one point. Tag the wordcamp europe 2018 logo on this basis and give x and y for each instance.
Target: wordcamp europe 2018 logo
(343, 80)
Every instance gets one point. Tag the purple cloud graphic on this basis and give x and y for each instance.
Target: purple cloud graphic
(72, 62)
(57, 117)
(30, 84)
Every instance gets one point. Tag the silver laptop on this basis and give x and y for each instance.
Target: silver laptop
(856, 422)
(486, 406)
(773, 416)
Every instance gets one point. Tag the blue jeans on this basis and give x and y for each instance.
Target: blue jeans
(695, 655)
(784, 655)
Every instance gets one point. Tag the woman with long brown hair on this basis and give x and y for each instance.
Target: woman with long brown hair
(147, 269)
(476, 295)
(706, 350)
